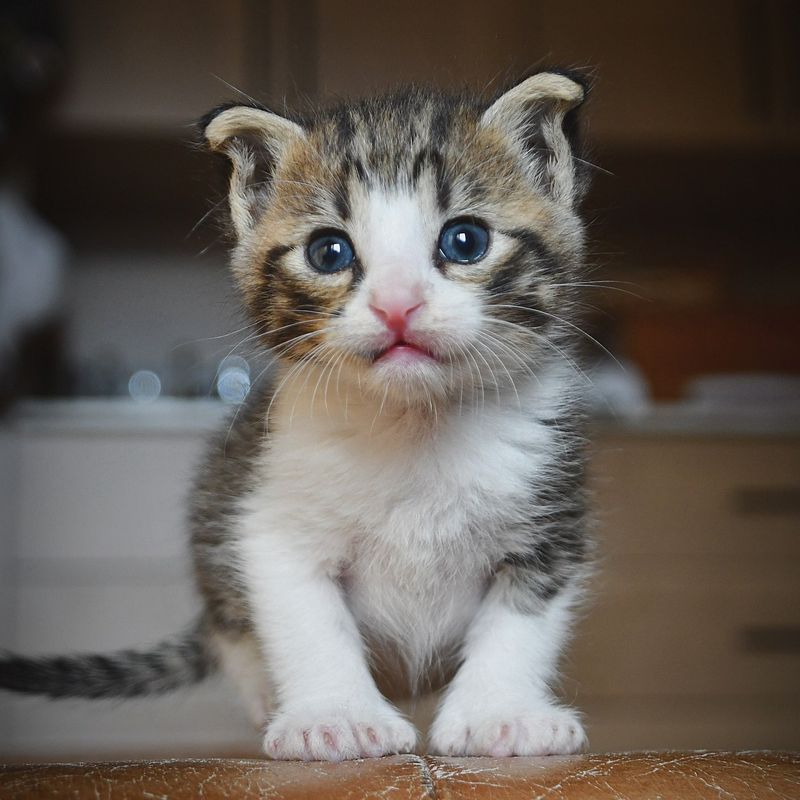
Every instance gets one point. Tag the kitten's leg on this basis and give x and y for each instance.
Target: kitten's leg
(499, 703)
(328, 706)
(243, 664)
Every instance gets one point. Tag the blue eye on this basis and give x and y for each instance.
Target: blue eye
(463, 242)
(330, 252)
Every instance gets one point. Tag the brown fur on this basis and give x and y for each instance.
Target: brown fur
(392, 141)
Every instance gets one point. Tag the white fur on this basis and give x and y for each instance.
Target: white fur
(499, 702)
(396, 234)
(388, 526)
(379, 515)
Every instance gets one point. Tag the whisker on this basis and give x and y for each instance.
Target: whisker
(539, 337)
(593, 166)
(238, 410)
(380, 408)
(275, 355)
(326, 347)
(515, 353)
(256, 335)
(295, 369)
(569, 324)
(336, 361)
(491, 371)
(597, 285)
(212, 338)
(505, 369)
(467, 351)
(205, 216)
(235, 89)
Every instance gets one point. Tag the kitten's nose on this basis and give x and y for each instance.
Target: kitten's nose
(395, 309)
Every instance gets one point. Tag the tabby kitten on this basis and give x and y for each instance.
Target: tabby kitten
(405, 497)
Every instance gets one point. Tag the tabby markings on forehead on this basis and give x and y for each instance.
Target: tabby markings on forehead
(431, 157)
(345, 128)
(341, 199)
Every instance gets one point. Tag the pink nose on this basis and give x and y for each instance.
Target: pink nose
(395, 310)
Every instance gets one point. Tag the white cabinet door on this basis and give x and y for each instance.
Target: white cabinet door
(94, 558)
(105, 496)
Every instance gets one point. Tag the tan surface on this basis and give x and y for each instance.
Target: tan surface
(690, 636)
(635, 775)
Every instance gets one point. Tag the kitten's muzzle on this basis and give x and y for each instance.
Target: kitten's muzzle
(396, 308)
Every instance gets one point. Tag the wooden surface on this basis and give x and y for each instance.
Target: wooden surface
(636, 775)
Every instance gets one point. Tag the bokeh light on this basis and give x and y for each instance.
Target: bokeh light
(144, 386)
(233, 379)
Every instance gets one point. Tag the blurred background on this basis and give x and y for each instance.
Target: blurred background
(120, 345)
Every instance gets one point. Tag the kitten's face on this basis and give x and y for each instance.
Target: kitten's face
(409, 246)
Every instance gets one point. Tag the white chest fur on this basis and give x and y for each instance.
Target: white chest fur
(410, 514)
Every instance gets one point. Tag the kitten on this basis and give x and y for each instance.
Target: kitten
(406, 495)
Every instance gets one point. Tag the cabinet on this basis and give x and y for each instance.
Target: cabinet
(93, 558)
(679, 74)
(690, 637)
(692, 633)
(152, 67)
(682, 74)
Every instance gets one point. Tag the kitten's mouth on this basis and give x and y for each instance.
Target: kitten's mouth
(403, 352)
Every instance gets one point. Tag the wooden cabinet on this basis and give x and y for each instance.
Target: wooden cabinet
(148, 65)
(158, 67)
(681, 73)
(93, 543)
(690, 637)
(692, 630)
(677, 74)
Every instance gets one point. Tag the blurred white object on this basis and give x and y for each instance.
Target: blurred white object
(617, 388)
(144, 386)
(32, 264)
(233, 379)
(755, 390)
(92, 549)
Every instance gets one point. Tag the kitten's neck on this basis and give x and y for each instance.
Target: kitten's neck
(342, 402)
(346, 408)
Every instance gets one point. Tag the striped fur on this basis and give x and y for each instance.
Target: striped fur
(362, 521)
(394, 142)
(178, 661)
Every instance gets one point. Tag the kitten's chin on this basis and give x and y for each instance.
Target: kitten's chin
(407, 376)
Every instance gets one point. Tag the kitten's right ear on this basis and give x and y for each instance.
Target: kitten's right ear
(254, 140)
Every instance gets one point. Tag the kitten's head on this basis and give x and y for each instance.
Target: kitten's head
(421, 243)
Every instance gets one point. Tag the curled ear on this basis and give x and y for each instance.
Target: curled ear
(537, 115)
(254, 140)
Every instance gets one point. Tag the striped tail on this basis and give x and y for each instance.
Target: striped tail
(178, 661)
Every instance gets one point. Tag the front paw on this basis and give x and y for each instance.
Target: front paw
(539, 731)
(337, 734)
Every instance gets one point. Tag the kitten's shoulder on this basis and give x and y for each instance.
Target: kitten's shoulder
(228, 469)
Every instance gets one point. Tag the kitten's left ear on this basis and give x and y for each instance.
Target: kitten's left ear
(538, 116)
(254, 140)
